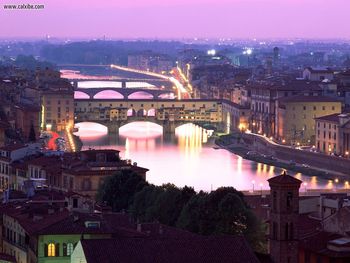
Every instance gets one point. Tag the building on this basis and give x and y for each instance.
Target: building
(295, 119)
(8, 155)
(263, 101)
(165, 249)
(82, 172)
(57, 111)
(318, 74)
(57, 241)
(3, 127)
(85, 171)
(333, 134)
(27, 116)
(284, 213)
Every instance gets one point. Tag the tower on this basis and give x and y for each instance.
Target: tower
(284, 204)
(276, 55)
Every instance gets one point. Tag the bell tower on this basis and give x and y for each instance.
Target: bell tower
(284, 212)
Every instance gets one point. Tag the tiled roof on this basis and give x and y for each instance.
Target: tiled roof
(12, 147)
(332, 118)
(117, 224)
(284, 179)
(202, 249)
(34, 224)
(317, 243)
(7, 258)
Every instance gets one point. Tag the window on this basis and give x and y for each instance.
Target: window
(274, 201)
(68, 249)
(75, 202)
(286, 231)
(289, 199)
(274, 230)
(304, 107)
(51, 250)
(323, 107)
(314, 107)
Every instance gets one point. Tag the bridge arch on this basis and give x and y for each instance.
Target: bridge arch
(89, 129)
(141, 95)
(81, 95)
(141, 130)
(108, 94)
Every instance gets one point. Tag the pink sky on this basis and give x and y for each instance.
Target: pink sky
(179, 18)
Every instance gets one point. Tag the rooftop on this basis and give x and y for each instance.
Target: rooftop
(284, 179)
(301, 98)
(198, 249)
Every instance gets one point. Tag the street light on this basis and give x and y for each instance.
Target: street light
(253, 183)
(261, 186)
(336, 181)
(305, 185)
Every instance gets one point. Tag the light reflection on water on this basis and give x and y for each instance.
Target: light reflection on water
(188, 159)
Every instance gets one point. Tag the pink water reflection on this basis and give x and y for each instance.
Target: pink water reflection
(141, 95)
(81, 95)
(188, 160)
(108, 94)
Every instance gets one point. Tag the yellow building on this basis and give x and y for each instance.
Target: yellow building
(296, 116)
(57, 110)
(332, 134)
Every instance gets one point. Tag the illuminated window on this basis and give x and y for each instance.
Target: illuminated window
(51, 250)
(70, 248)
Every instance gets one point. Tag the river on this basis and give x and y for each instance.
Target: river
(189, 158)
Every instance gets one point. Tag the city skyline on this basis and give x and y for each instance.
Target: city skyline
(180, 19)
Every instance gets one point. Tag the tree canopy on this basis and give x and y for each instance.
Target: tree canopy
(222, 211)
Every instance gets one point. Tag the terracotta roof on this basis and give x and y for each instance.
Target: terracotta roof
(317, 243)
(284, 179)
(33, 224)
(320, 70)
(7, 258)
(202, 249)
(118, 224)
(12, 147)
(332, 118)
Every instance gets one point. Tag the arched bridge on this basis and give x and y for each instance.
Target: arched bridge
(120, 93)
(126, 82)
(114, 113)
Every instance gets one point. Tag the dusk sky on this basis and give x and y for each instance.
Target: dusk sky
(179, 18)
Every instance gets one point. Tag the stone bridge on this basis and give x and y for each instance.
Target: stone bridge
(122, 93)
(156, 82)
(169, 113)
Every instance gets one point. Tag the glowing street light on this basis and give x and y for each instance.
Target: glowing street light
(305, 185)
(336, 181)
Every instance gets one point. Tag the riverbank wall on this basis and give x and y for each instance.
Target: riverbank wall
(322, 161)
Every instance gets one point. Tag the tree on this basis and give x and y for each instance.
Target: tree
(222, 212)
(32, 137)
(118, 190)
(143, 208)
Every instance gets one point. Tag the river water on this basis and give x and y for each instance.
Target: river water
(189, 158)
